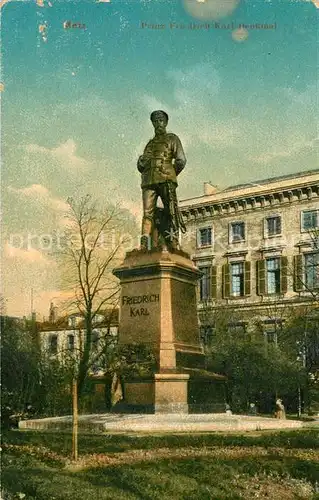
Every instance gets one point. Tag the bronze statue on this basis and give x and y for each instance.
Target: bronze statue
(160, 164)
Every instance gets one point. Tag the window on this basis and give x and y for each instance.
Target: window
(271, 329)
(273, 275)
(237, 279)
(53, 344)
(205, 237)
(205, 283)
(273, 225)
(72, 321)
(71, 342)
(311, 270)
(310, 220)
(206, 334)
(271, 336)
(238, 330)
(237, 231)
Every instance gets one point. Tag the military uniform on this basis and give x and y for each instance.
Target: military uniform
(156, 164)
(163, 159)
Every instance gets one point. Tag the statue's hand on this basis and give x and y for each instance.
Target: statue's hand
(179, 165)
(142, 163)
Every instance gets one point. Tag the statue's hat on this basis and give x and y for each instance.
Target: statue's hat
(158, 112)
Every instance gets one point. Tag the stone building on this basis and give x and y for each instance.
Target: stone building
(257, 246)
(65, 335)
(62, 339)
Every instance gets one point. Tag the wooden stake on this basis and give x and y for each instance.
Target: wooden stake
(75, 421)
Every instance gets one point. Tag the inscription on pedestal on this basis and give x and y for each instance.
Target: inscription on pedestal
(127, 300)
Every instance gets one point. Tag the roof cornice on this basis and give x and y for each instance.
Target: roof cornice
(235, 205)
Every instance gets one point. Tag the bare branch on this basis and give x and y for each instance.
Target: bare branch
(89, 267)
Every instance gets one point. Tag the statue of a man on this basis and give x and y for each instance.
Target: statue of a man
(160, 164)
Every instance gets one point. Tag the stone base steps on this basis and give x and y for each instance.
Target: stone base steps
(101, 423)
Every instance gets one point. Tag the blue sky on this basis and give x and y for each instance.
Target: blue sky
(76, 104)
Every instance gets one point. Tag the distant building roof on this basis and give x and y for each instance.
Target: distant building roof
(272, 179)
(255, 188)
(106, 316)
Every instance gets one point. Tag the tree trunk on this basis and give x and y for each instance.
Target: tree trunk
(75, 421)
(85, 360)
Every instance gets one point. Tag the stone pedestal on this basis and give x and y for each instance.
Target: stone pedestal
(171, 393)
(158, 308)
(163, 393)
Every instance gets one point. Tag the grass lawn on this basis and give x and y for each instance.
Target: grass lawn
(270, 465)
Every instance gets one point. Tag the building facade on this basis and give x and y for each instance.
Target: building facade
(65, 336)
(257, 246)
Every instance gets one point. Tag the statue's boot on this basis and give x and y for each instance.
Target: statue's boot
(146, 238)
(174, 244)
(145, 243)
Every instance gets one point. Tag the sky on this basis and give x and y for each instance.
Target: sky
(76, 104)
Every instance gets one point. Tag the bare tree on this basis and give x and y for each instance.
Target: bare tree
(94, 245)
